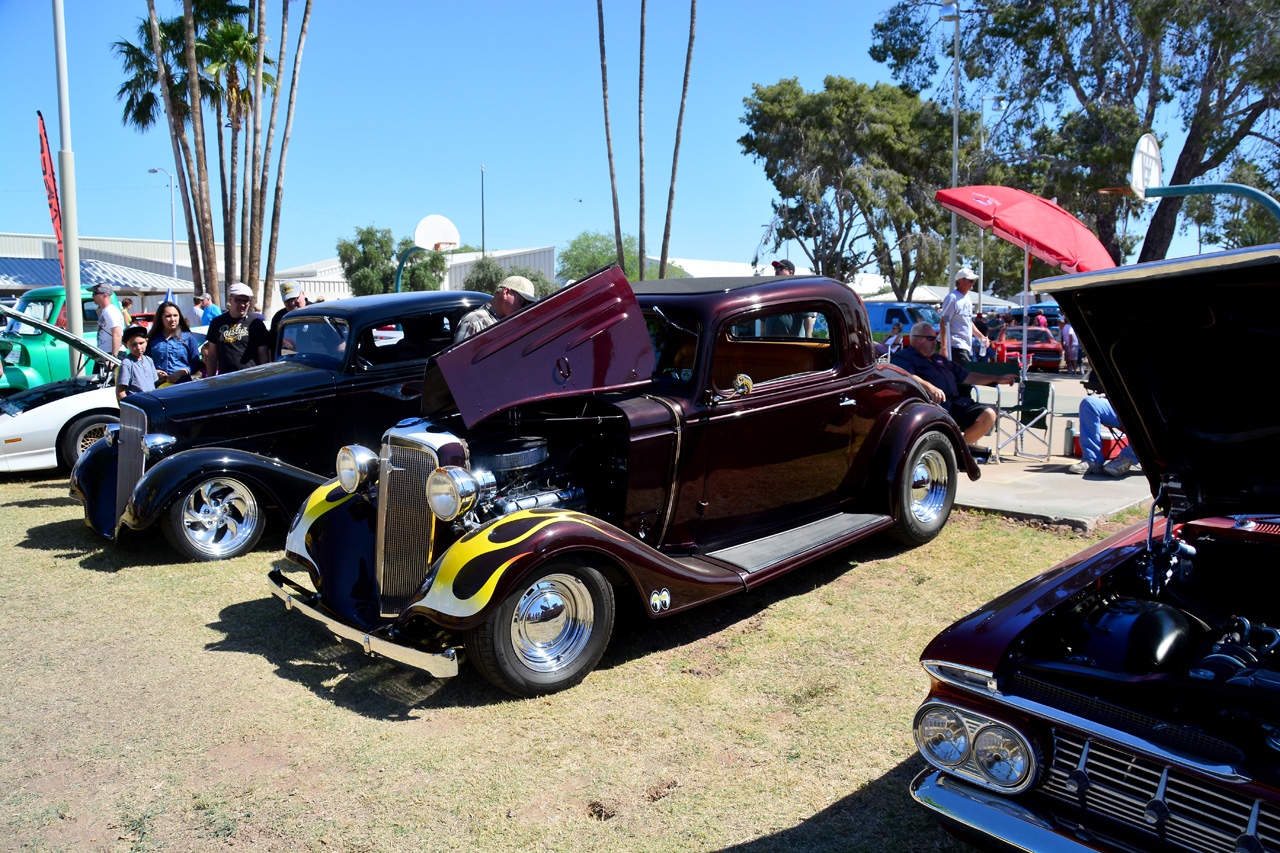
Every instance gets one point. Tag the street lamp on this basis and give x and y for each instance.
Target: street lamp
(173, 226)
(950, 11)
(999, 103)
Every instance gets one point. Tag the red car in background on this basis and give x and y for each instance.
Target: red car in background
(1044, 352)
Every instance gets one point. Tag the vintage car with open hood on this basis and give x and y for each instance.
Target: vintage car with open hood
(1129, 698)
(208, 460)
(673, 445)
(52, 423)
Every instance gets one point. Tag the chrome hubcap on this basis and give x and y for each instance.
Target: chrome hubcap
(219, 516)
(552, 623)
(928, 487)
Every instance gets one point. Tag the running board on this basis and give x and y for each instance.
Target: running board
(769, 550)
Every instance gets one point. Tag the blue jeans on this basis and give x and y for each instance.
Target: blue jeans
(1095, 413)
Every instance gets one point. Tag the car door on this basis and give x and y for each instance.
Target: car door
(779, 451)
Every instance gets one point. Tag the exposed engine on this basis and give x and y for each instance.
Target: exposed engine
(1186, 634)
(522, 478)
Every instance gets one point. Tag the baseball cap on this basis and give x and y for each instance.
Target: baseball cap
(289, 290)
(967, 274)
(784, 264)
(239, 289)
(102, 288)
(522, 286)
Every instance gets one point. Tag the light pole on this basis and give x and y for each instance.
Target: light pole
(950, 11)
(999, 103)
(173, 226)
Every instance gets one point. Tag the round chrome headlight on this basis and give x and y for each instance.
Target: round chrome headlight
(355, 465)
(1002, 756)
(942, 734)
(451, 491)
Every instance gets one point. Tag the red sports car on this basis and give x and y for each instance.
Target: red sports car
(1044, 352)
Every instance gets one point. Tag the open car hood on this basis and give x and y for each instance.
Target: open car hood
(79, 344)
(588, 337)
(1186, 350)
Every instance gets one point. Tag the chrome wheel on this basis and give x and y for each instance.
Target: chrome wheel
(552, 623)
(220, 518)
(930, 482)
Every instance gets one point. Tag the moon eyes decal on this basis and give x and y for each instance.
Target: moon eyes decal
(660, 600)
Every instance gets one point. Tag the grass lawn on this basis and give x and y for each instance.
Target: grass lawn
(150, 704)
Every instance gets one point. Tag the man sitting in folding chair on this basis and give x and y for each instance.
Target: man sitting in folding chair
(1096, 412)
(941, 377)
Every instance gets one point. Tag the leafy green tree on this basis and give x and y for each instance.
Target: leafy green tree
(1087, 77)
(1233, 222)
(591, 251)
(370, 260)
(484, 276)
(542, 285)
(855, 168)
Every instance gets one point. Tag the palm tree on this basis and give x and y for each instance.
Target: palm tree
(608, 140)
(200, 198)
(675, 156)
(642, 261)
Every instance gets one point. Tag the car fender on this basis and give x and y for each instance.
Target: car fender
(483, 567)
(30, 439)
(93, 483)
(285, 486)
(19, 378)
(334, 535)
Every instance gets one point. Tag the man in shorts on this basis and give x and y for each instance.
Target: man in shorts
(941, 377)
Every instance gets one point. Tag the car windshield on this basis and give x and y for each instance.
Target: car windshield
(40, 309)
(1034, 336)
(314, 337)
(924, 314)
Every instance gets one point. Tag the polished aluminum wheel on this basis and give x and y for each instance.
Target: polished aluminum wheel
(929, 486)
(220, 517)
(552, 623)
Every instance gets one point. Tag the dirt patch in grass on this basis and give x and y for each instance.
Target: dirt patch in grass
(152, 704)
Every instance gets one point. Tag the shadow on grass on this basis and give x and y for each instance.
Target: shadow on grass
(341, 673)
(878, 816)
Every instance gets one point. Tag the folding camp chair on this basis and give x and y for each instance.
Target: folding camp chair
(1033, 412)
(992, 368)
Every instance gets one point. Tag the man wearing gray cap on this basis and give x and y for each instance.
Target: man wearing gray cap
(514, 293)
(110, 320)
(957, 321)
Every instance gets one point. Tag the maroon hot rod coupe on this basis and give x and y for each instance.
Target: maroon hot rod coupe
(676, 444)
(1129, 698)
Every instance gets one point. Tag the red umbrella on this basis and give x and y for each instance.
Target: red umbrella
(1036, 224)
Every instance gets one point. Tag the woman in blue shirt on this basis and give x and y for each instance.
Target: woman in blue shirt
(171, 346)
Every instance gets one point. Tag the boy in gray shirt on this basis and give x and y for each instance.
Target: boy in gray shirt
(137, 371)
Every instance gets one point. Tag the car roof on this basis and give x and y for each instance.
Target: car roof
(360, 309)
(719, 284)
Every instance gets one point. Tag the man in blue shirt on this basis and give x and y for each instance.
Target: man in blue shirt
(941, 377)
(208, 311)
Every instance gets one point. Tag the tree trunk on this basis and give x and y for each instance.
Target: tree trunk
(253, 237)
(229, 236)
(176, 135)
(284, 149)
(608, 140)
(642, 261)
(228, 213)
(246, 200)
(256, 253)
(675, 155)
(203, 208)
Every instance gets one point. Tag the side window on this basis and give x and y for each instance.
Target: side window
(411, 339)
(775, 346)
(895, 315)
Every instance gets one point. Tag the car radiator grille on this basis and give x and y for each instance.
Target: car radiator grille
(129, 459)
(1157, 800)
(405, 524)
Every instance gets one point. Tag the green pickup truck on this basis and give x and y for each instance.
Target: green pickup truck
(32, 357)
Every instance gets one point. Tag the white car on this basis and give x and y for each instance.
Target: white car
(52, 424)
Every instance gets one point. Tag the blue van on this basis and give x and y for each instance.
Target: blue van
(882, 316)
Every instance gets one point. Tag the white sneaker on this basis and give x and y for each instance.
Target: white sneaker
(1084, 467)
(1117, 467)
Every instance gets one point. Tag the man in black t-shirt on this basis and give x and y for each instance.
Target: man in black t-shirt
(239, 340)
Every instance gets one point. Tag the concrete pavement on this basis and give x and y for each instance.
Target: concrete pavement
(1043, 490)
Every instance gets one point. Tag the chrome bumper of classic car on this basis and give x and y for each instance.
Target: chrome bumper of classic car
(442, 664)
(999, 821)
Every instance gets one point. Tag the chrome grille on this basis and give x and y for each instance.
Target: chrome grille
(129, 459)
(1128, 789)
(405, 523)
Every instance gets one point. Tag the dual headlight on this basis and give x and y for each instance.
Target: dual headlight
(978, 748)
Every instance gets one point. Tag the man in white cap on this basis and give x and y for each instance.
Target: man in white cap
(293, 298)
(239, 339)
(110, 320)
(957, 321)
(514, 293)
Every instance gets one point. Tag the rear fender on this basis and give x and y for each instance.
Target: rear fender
(485, 566)
(273, 481)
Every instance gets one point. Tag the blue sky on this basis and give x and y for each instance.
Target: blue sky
(400, 103)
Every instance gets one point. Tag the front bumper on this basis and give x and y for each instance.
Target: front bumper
(993, 822)
(443, 664)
